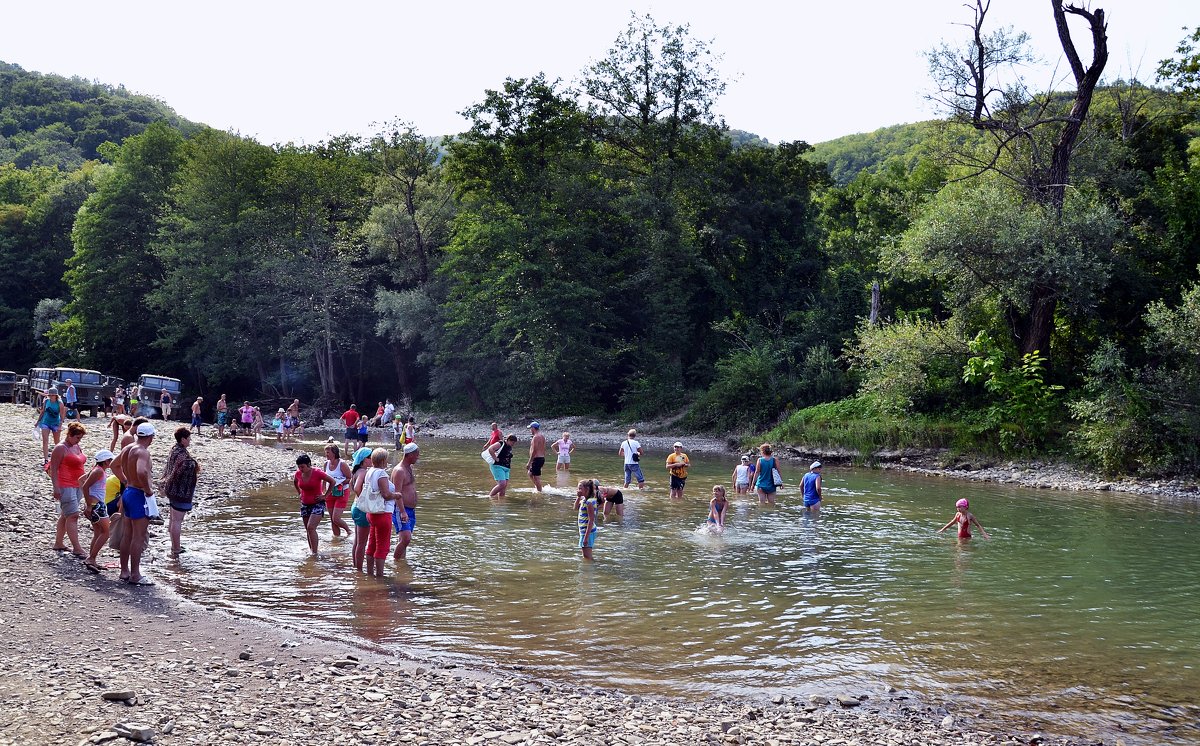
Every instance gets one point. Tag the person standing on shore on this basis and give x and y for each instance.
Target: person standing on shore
(349, 420)
(537, 454)
(631, 450)
(585, 505)
(257, 425)
(496, 436)
(166, 401)
(119, 401)
(196, 421)
(811, 486)
(564, 447)
(312, 485)
(49, 421)
(95, 489)
(339, 493)
(677, 467)
(294, 409)
(66, 467)
(134, 468)
(222, 416)
(246, 413)
(501, 468)
(404, 481)
(179, 485)
(765, 481)
(71, 399)
(741, 476)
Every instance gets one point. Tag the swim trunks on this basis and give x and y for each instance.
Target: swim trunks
(359, 518)
(221, 417)
(535, 466)
(196, 421)
(589, 541)
(351, 433)
(500, 473)
(408, 522)
(677, 482)
(338, 498)
(616, 498)
(181, 507)
(317, 508)
(133, 503)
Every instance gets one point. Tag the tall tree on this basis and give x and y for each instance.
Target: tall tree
(113, 270)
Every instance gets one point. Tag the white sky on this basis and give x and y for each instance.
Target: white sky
(302, 71)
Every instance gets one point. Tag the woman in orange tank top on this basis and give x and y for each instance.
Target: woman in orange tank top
(66, 468)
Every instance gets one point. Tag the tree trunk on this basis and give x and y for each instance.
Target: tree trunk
(401, 371)
(473, 395)
(1033, 330)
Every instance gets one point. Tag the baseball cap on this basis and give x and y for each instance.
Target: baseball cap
(105, 455)
(145, 430)
(410, 447)
(677, 444)
(52, 390)
(745, 458)
(815, 465)
(361, 455)
(535, 425)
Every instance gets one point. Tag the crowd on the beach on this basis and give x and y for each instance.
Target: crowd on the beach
(117, 494)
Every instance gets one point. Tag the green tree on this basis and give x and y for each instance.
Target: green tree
(112, 270)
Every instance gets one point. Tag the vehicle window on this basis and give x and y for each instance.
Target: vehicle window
(90, 379)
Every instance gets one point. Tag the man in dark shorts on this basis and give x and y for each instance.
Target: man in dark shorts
(537, 454)
(196, 421)
(677, 465)
(349, 418)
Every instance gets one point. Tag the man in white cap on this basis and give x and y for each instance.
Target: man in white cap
(811, 485)
(404, 517)
(677, 466)
(133, 467)
(537, 454)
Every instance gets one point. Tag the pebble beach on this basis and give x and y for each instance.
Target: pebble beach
(89, 660)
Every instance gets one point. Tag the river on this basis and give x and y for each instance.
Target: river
(1079, 615)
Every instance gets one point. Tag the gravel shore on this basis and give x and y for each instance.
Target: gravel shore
(90, 660)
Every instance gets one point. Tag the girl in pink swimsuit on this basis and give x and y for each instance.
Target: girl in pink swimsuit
(964, 518)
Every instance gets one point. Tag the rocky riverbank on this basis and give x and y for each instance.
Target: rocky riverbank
(90, 660)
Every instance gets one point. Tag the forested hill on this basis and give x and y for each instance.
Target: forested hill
(49, 120)
(866, 151)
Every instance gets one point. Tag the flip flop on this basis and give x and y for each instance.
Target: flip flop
(92, 568)
(80, 555)
(59, 549)
(141, 581)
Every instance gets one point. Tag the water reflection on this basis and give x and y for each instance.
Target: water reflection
(1065, 615)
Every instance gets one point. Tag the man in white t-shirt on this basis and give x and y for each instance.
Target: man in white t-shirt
(632, 451)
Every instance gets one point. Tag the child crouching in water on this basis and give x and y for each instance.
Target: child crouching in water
(964, 518)
(716, 509)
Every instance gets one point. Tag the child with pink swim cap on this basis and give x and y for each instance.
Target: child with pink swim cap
(964, 518)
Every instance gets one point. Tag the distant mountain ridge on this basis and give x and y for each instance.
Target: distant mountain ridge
(51, 120)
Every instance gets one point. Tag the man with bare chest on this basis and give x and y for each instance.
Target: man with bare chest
(404, 518)
(132, 466)
(537, 454)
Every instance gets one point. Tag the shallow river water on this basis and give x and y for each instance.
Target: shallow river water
(1080, 613)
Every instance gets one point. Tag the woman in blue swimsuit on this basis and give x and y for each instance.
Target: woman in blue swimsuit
(49, 421)
(764, 482)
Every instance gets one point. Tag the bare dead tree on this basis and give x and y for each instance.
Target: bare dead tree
(1031, 138)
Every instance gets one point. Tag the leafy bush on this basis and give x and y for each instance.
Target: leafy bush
(1116, 432)
(908, 365)
(1025, 405)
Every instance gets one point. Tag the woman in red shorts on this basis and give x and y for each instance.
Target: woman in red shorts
(339, 494)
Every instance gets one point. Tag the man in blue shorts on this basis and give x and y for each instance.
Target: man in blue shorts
(134, 469)
(404, 517)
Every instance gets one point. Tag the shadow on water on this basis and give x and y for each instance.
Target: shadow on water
(1069, 616)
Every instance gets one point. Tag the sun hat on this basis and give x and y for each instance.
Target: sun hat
(410, 447)
(815, 465)
(145, 430)
(535, 425)
(677, 445)
(52, 390)
(102, 456)
(963, 503)
(361, 455)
